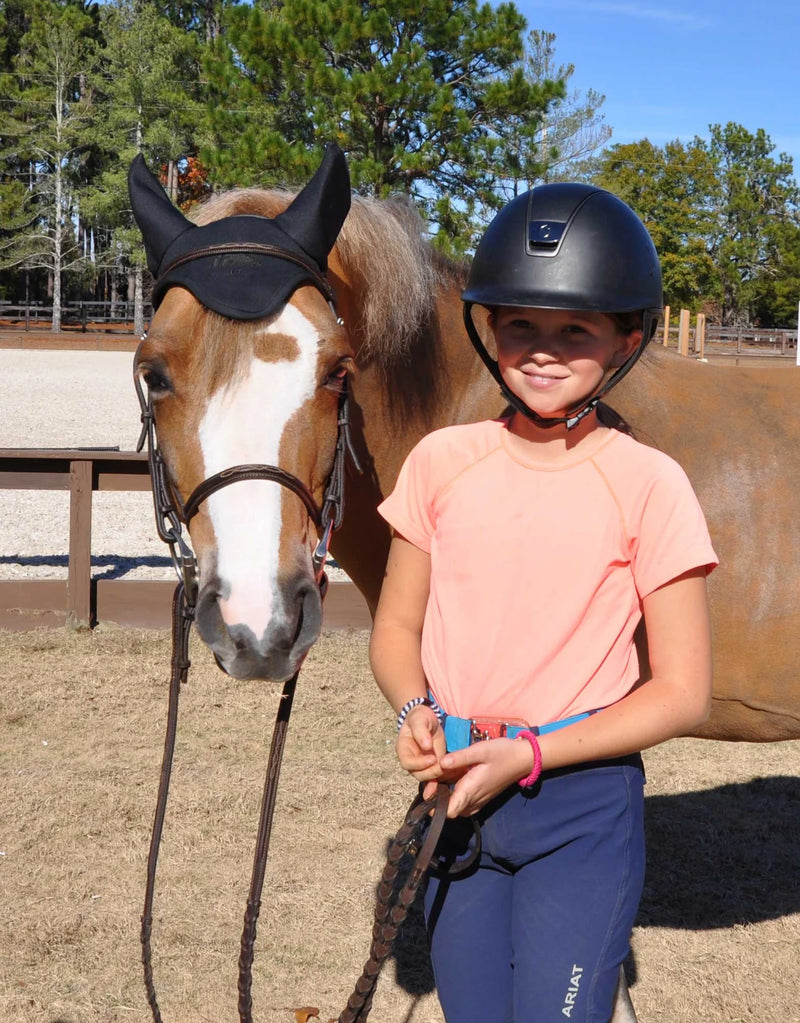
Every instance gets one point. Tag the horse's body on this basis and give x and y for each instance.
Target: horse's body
(256, 392)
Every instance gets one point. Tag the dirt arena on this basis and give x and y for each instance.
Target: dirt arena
(82, 724)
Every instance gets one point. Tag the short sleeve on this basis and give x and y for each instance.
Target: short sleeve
(672, 536)
(409, 507)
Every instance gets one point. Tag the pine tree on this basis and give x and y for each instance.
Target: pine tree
(415, 92)
(146, 93)
(48, 128)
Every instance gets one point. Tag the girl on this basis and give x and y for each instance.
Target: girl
(525, 553)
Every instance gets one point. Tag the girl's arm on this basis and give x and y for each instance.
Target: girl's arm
(675, 699)
(395, 655)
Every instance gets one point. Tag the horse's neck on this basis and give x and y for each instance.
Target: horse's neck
(386, 425)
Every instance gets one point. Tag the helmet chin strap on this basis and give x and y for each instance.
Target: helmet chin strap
(581, 409)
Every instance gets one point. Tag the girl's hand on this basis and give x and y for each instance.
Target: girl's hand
(483, 771)
(420, 744)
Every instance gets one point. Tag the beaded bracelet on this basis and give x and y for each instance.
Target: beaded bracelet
(532, 778)
(418, 701)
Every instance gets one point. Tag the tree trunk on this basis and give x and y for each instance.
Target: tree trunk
(212, 21)
(57, 253)
(138, 303)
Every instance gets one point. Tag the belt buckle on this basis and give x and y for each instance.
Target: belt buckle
(491, 728)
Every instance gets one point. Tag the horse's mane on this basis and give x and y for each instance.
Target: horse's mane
(398, 274)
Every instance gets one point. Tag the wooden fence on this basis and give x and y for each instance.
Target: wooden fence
(113, 317)
(692, 340)
(81, 601)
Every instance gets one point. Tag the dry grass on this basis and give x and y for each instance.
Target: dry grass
(82, 721)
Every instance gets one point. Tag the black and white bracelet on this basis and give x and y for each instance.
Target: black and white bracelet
(419, 701)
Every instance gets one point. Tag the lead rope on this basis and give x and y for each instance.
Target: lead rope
(390, 913)
(182, 617)
(246, 953)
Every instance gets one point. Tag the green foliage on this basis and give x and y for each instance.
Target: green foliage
(755, 197)
(723, 215)
(147, 98)
(421, 94)
(46, 132)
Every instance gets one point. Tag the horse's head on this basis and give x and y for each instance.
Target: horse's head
(245, 363)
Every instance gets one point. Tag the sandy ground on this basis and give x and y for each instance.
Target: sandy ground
(82, 720)
(73, 399)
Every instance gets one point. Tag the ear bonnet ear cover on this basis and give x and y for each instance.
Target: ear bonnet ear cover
(243, 267)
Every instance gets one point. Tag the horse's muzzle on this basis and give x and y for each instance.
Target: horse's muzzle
(278, 652)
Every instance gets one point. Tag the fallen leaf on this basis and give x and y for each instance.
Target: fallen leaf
(304, 1014)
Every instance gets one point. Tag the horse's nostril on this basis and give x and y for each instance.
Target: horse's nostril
(306, 600)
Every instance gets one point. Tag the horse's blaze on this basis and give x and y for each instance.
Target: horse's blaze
(262, 601)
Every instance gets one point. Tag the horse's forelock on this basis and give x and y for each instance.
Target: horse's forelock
(239, 202)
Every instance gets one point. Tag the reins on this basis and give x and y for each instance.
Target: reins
(171, 516)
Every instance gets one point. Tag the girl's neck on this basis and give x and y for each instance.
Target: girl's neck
(554, 444)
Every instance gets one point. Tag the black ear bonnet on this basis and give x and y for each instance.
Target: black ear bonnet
(243, 267)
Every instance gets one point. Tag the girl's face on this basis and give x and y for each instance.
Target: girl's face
(554, 358)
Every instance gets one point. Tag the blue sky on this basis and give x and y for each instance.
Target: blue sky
(669, 69)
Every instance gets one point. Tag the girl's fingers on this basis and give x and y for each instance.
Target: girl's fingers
(421, 732)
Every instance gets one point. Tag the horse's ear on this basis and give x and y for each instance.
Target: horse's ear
(159, 221)
(316, 216)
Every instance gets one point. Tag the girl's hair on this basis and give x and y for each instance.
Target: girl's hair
(626, 322)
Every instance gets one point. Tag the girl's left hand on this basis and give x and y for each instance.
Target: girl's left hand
(483, 771)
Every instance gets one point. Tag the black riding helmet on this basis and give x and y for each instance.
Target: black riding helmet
(565, 246)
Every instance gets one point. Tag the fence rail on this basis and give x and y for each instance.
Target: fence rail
(722, 340)
(82, 601)
(38, 316)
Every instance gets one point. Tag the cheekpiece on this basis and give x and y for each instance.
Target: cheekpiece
(243, 267)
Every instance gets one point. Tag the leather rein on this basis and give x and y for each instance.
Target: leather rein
(171, 516)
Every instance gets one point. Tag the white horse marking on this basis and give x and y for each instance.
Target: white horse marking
(243, 424)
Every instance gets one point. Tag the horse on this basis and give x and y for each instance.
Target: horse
(231, 391)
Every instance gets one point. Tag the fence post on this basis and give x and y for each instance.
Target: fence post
(683, 332)
(665, 342)
(79, 572)
(700, 336)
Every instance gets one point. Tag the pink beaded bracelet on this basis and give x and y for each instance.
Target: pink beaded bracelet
(532, 778)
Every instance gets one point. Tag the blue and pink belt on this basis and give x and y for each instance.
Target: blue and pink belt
(462, 732)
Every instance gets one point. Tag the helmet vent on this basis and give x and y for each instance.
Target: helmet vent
(544, 235)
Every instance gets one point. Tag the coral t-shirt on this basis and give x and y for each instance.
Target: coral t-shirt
(538, 572)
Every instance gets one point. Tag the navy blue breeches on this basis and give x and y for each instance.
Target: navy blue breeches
(536, 932)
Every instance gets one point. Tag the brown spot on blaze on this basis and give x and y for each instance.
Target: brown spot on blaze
(275, 347)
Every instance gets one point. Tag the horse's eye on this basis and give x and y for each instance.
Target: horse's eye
(335, 380)
(156, 383)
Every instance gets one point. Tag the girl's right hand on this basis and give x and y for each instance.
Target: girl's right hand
(420, 744)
